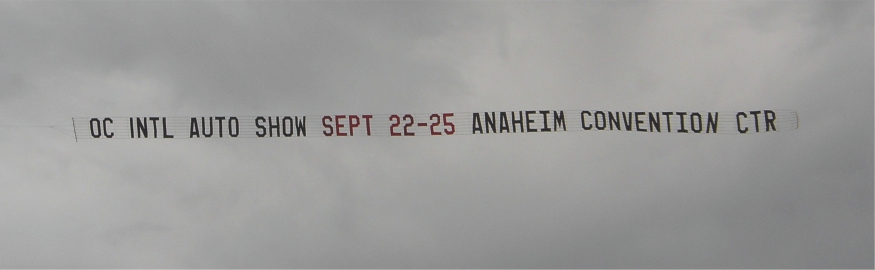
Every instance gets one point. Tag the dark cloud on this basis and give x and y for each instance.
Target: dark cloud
(797, 199)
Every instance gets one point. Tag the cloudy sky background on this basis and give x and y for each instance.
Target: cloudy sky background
(796, 199)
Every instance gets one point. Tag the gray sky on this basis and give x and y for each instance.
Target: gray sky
(796, 199)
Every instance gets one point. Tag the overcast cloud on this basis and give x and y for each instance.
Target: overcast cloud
(796, 199)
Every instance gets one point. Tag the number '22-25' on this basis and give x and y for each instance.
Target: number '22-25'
(435, 120)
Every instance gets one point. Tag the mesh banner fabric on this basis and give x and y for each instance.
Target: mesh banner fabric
(434, 124)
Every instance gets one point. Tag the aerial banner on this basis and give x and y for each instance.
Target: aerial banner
(433, 124)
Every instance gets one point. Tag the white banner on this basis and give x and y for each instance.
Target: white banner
(433, 124)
